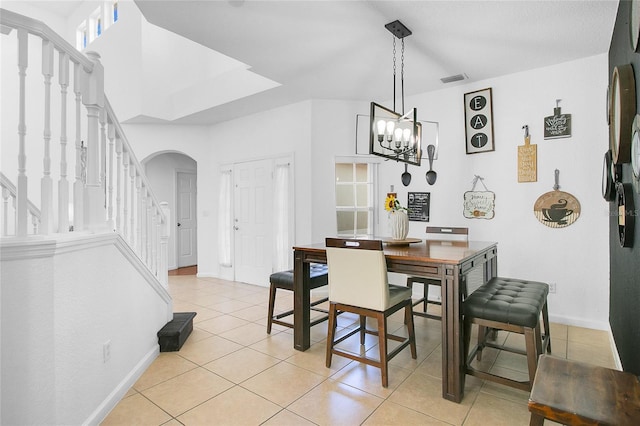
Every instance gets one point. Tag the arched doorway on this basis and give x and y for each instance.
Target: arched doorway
(172, 176)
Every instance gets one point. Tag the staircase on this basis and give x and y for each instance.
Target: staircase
(83, 245)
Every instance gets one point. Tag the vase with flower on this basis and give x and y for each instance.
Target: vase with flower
(398, 217)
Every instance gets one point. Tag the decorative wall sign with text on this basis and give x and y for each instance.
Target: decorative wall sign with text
(479, 204)
(527, 159)
(418, 205)
(478, 117)
(557, 125)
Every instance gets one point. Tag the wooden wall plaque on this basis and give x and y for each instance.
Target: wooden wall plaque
(527, 160)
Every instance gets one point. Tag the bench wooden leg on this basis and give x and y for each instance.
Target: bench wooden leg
(534, 348)
(536, 420)
(545, 321)
(272, 302)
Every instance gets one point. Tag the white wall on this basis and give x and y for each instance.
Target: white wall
(54, 327)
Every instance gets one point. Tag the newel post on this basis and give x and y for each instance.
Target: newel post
(92, 85)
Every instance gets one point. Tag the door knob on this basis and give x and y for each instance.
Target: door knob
(179, 224)
(236, 228)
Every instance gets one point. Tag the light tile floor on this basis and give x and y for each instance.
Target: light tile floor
(231, 372)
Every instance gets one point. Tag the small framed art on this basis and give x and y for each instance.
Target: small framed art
(478, 117)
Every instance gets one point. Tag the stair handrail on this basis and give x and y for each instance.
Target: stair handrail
(33, 26)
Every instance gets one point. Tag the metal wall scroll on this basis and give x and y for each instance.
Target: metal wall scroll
(479, 204)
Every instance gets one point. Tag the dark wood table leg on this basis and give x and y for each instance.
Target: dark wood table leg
(452, 343)
(301, 303)
(536, 420)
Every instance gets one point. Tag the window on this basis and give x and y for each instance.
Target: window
(97, 23)
(355, 199)
(114, 14)
(82, 36)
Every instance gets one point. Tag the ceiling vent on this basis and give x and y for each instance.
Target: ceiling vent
(452, 78)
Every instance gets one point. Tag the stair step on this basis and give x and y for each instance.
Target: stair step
(172, 336)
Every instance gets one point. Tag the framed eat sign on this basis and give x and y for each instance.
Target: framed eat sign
(478, 117)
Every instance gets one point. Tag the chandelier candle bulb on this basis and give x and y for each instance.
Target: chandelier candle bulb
(390, 127)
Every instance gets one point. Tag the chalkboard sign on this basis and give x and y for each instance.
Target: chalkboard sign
(557, 125)
(418, 206)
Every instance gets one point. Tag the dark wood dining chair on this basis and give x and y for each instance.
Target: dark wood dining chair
(358, 284)
(449, 234)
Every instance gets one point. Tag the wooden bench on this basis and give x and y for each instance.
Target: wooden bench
(575, 393)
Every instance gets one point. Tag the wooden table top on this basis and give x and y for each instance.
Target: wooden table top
(435, 251)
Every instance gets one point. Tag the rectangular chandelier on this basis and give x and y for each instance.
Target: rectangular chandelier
(394, 136)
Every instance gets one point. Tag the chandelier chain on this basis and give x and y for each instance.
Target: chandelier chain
(394, 73)
(402, 73)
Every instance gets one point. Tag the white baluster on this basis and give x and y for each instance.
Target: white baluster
(5, 211)
(93, 100)
(164, 243)
(103, 157)
(120, 179)
(140, 218)
(34, 223)
(78, 184)
(147, 226)
(155, 229)
(63, 183)
(125, 199)
(135, 195)
(21, 190)
(46, 191)
(111, 135)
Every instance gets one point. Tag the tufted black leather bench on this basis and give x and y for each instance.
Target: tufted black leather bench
(284, 280)
(513, 305)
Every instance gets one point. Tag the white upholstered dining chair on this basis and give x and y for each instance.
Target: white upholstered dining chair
(358, 283)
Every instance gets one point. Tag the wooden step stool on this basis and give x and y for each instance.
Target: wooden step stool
(575, 393)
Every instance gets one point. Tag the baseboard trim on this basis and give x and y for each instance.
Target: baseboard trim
(579, 322)
(614, 350)
(123, 387)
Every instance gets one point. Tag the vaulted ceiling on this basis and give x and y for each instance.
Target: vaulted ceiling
(341, 49)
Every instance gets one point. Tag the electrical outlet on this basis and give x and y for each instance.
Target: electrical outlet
(106, 351)
(552, 288)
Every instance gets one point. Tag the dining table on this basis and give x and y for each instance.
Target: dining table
(449, 261)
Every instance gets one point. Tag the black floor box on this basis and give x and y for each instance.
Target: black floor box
(173, 335)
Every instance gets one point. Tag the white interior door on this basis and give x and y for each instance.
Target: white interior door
(186, 225)
(253, 221)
